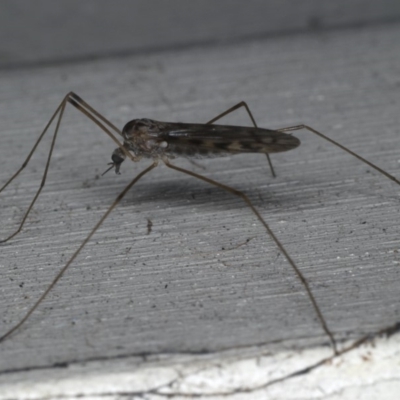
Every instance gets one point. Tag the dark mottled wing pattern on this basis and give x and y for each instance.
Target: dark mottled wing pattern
(209, 140)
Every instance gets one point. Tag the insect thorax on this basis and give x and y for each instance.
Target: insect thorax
(144, 138)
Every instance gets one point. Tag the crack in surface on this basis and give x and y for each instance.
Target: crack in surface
(167, 390)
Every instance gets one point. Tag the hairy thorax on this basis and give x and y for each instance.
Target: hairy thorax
(144, 138)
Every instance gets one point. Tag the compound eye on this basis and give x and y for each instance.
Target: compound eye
(117, 158)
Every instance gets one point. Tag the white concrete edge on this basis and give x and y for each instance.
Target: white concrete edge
(371, 371)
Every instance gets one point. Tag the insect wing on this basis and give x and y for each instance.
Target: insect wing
(209, 140)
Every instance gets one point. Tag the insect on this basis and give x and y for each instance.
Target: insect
(161, 142)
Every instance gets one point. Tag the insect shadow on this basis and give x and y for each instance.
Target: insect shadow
(164, 141)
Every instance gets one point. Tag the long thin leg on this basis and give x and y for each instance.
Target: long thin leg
(375, 167)
(274, 238)
(228, 111)
(87, 110)
(60, 111)
(83, 244)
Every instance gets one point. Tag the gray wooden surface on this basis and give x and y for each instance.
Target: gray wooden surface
(190, 286)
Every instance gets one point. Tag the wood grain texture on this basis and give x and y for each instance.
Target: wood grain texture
(207, 278)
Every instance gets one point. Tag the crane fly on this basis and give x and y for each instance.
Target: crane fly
(164, 141)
